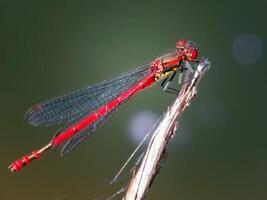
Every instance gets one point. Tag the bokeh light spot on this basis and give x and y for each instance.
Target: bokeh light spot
(140, 124)
(247, 48)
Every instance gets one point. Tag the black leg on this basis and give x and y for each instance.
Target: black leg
(166, 82)
(188, 66)
(187, 72)
(185, 76)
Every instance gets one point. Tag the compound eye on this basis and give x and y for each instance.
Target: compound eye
(192, 54)
(181, 43)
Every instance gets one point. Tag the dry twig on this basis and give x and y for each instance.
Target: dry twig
(155, 152)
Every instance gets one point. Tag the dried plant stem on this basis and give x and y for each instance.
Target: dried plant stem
(149, 167)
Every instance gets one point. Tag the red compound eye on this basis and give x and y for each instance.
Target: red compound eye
(192, 54)
(181, 43)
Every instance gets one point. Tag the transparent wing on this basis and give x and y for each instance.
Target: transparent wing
(75, 140)
(77, 104)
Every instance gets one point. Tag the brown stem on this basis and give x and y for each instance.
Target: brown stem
(156, 149)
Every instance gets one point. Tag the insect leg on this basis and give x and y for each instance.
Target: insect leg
(166, 82)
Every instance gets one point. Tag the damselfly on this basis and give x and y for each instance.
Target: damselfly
(84, 110)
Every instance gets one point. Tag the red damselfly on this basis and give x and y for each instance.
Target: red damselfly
(83, 111)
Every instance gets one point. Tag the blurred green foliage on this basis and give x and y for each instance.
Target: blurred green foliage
(51, 47)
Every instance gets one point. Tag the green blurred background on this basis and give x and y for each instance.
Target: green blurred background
(52, 47)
